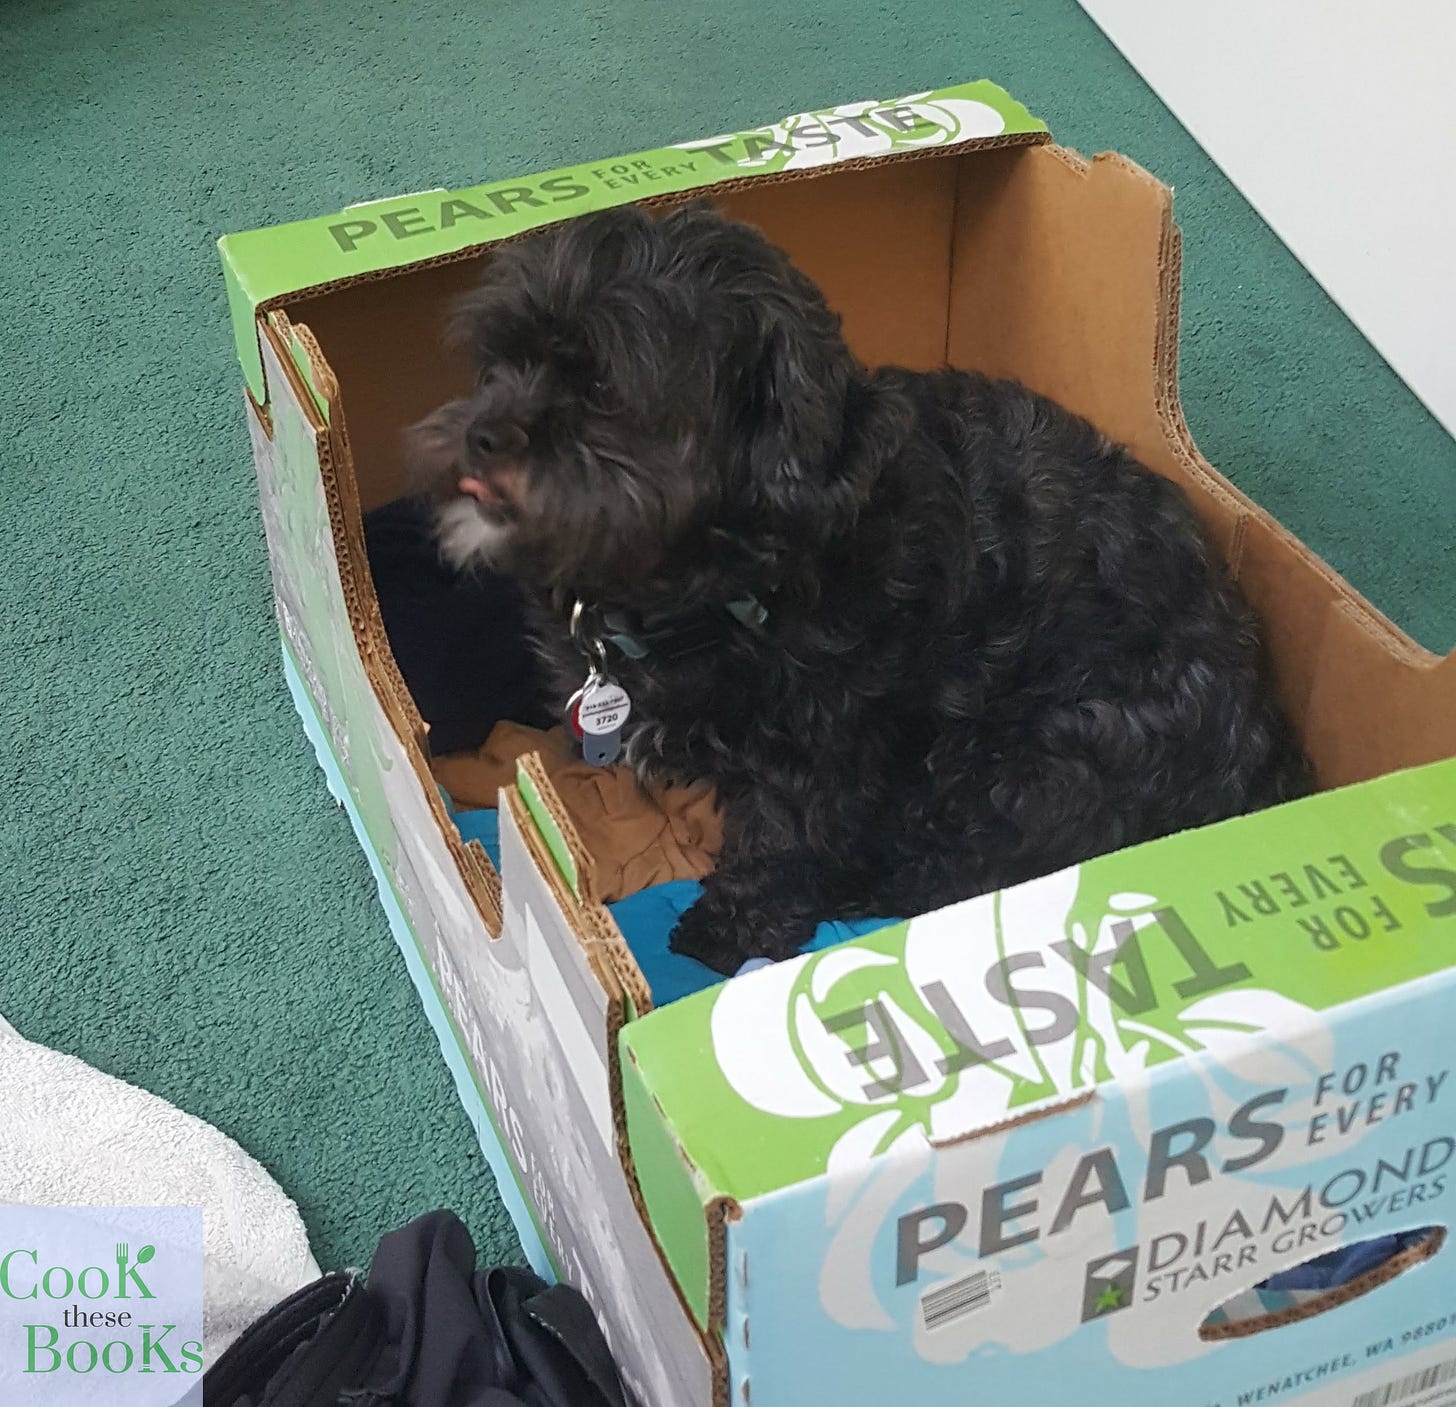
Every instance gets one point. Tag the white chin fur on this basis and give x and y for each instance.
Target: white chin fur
(467, 537)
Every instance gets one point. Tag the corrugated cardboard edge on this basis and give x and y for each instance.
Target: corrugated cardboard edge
(346, 525)
(590, 920)
(607, 938)
(1342, 631)
(1332, 1299)
(575, 909)
(1049, 1110)
(1180, 440)
(581, 883)
(720, 1212)
(1237, 505)
(261, 411)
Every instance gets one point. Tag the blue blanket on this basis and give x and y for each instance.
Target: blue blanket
(1336, 1268)
(648, 918)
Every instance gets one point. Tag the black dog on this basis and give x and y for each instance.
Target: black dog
(927, 634)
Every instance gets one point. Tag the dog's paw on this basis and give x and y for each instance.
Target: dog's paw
(723, 934)
(706, 934)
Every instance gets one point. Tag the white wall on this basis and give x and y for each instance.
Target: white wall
(1336, 119)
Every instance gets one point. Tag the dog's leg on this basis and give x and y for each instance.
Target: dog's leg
(752, 908)
(780, 872)
(794, 849)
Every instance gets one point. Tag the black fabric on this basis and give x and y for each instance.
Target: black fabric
(427, 1329)
(459, 638)
(306, 1350)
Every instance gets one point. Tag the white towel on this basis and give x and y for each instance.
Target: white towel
(73, 1136)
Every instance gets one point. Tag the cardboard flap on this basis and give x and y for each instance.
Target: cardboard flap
(484, 884)
(949, 1135)
(572, 862)
(1065, 276)
(571, 859)
(684, 1210)
(606, 940)
(295, 354)
(307, 359)
(1056, 282)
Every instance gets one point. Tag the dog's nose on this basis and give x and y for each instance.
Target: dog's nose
(496, 437)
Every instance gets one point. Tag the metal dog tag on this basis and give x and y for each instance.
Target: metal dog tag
(602, 713)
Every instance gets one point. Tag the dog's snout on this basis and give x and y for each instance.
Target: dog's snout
(489, 438)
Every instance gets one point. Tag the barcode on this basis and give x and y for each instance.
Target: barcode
(1409, 1386)
(947, 1303)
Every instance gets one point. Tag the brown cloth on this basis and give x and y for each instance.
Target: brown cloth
(637, 837)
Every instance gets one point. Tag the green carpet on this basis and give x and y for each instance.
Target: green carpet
(182, 904)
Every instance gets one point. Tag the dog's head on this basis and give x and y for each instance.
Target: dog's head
(646, 391)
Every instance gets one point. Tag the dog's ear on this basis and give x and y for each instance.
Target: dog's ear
(784, 372)
(434, 448)
(800, 377)
(797, 399)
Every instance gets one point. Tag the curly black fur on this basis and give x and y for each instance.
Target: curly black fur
(996, 645)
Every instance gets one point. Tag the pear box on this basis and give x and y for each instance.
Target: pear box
(1069, 1129)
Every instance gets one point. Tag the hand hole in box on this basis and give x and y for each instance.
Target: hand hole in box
(1323, 1282)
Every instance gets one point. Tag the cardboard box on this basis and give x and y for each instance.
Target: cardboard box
(740, 1212)
(1047, 1133)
